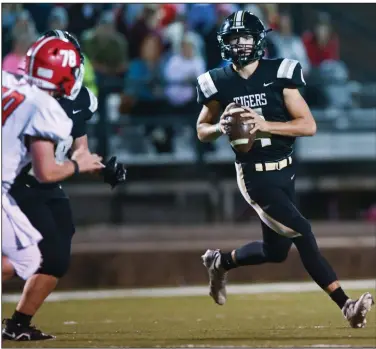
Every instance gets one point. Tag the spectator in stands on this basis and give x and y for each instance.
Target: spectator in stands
(84, 15)
(181, 72)
(40, 12)
(271, 15)
(128, 14)
(144, 90)
(58, 19)
(173, 35)
(202, 17)
(335, 86)
(106, 48)
(24, 23)
(9, 15)
(286, 44)
(145, 25)
(212, 51)
(322, 43)
(167, 14)
(13, 61)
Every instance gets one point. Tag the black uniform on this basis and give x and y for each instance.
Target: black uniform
(47, 205)
(266, 174)
(263, 92)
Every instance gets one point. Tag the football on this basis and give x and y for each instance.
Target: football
(240, 138)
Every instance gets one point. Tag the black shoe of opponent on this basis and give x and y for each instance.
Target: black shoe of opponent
(18, 332)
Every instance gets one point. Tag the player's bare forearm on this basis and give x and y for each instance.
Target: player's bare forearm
(299, 127)
(52, 172)
(83, 144)
(59, 172)
(207, 129)
(45, 167)
(207, 132)
(80, 142)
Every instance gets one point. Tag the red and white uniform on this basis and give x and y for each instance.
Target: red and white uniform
(26, 111)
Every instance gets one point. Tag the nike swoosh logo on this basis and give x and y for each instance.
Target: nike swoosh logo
(76, 111)
(292, 177)
(269, 83)
(11, 335)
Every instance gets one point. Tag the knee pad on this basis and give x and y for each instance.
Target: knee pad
(55, 265)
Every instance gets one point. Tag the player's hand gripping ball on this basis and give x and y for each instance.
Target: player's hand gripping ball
(238, 131)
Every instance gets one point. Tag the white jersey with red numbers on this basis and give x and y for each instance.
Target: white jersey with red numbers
(27, 111)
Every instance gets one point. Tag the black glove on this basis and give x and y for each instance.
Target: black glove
(114, 173)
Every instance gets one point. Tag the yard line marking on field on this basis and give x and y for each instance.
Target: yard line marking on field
(283, 287)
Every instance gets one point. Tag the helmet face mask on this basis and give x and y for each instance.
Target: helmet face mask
(242, 38)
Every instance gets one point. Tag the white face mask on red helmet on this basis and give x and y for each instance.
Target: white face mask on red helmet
(53, 64)
(78, 84)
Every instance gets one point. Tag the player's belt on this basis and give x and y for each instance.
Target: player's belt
(273, 166)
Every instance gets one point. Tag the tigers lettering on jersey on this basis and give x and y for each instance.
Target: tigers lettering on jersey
(263, 92)
(252, 101)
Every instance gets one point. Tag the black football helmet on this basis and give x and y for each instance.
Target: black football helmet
(63, 34)
(242, 23)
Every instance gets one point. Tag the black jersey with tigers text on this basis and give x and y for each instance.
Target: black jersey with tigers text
(263, 92)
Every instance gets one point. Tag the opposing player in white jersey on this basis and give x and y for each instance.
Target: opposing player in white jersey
(32, 123)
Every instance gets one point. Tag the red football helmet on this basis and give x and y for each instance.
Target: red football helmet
(53, 64)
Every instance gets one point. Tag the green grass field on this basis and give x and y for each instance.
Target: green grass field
(269, 320)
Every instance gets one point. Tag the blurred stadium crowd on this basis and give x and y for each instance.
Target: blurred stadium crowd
(153, 53)
(142, 60)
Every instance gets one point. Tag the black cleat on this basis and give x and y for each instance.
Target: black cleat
(18, 332)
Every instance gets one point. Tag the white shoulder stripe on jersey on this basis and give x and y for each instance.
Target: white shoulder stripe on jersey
(207, 85)
(93, 101)
(301, 75)
(286, 69)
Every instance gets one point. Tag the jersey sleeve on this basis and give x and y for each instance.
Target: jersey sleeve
(88, 103)
(206, 88)
(291, 74)
(49, 121)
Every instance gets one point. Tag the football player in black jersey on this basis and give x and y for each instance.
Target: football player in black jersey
(48, 209)
(268, 90)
